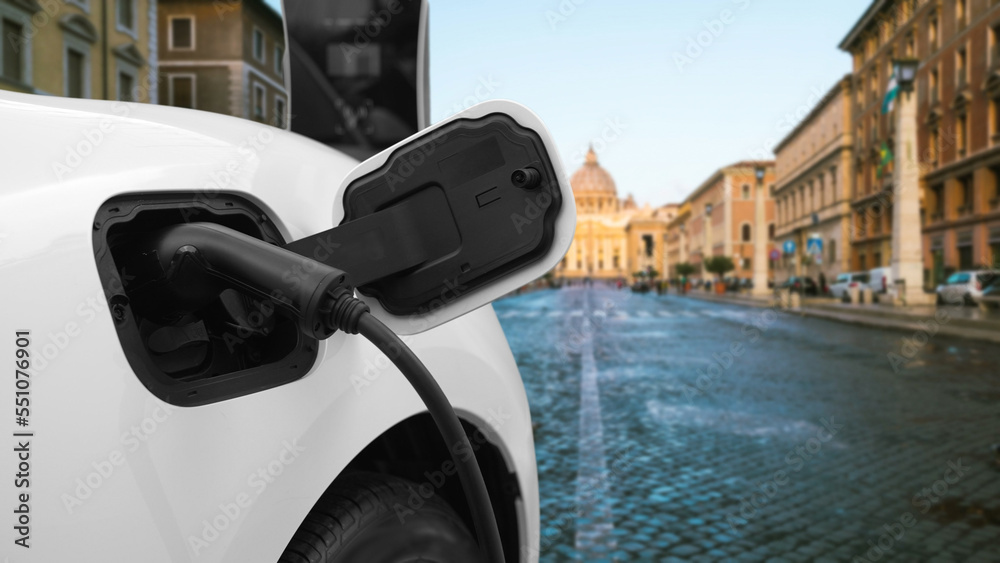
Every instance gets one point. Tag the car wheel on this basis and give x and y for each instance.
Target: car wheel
(372, 517)
(967, 298)
(940, 299)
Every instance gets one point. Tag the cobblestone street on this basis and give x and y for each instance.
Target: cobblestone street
(670, 429)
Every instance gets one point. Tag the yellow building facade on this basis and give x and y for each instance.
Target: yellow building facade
(100, 49)
(614, 237)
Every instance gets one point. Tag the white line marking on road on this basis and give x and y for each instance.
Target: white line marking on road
(576, 313)
(532, 314)
(508, 314)
(621, 316)
(595, 525)
(665, 314)
(555, 313)
(689, 314)
(643, 314)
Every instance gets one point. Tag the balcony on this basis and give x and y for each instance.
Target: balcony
(937, 216)
(995, 57)
(963, 80)
(995, 204)
(935, 96)
(964, 210)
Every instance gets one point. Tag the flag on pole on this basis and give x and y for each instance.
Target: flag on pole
(892, 90)
(885, 157)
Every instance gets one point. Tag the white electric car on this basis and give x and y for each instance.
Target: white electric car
(137, 432)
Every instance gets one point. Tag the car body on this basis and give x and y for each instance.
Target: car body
(801, 284)
(845, 281)
(990, 298)
(880, 279)
(965, 286)
(121, 475)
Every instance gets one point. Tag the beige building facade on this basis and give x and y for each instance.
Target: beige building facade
(721, 219)
(615, 238)
(225, 57)
(812, 189)
(80, 48)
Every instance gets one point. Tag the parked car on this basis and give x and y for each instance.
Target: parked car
(965, 287)
(846, 281)
(991, 295)
(805, 285)
(880, 279)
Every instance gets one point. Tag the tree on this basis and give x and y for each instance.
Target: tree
(719, 265)
(685, 269)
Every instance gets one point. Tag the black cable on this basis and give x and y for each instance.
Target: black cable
(352, 316)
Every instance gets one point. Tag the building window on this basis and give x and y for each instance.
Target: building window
(962, 76)
(181, 35)
(279, 60)
(125, 19)
(911, 48)
(258, 44)
(747, 234)
(994, 41)
(126, 87)
(961, 133)
(259, 105)
(11, 49)
(937, 209)
(279, 112)
(831, 246)
(932, 31)
(966, 260)
(934, 85)
(647, 241)
(746, 191)
(962, 13)
(770, 231)
(933, 140)
(994, 200)
(966, 185)
(76, 74)
(181, 90)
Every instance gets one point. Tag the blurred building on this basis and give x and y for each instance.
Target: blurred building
(812, 190)
(614, 238)
(958, 123)
(721, 219)
(224, 56)
(676, 241)
(102, 49)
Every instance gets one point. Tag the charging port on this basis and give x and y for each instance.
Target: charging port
(190, 342)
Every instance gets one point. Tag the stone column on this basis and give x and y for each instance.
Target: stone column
(760, 242)
(907, 239)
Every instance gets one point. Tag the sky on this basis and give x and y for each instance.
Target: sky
(667, 90)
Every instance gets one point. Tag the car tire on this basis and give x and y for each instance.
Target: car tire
(370, 517)
(940, 299)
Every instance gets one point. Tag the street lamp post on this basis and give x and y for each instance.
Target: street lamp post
(907, 239)
(760, 238)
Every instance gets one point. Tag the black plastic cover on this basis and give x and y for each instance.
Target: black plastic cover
(468, 177)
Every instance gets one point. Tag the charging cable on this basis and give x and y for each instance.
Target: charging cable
(353, 316)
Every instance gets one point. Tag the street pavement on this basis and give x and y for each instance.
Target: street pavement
(671, 429)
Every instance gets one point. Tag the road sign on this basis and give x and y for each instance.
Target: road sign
(814, 246)
(789, 247)
(775, 255)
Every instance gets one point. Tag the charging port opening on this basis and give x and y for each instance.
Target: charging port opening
(232, 343)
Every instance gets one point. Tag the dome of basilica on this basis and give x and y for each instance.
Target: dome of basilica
(592, 179)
